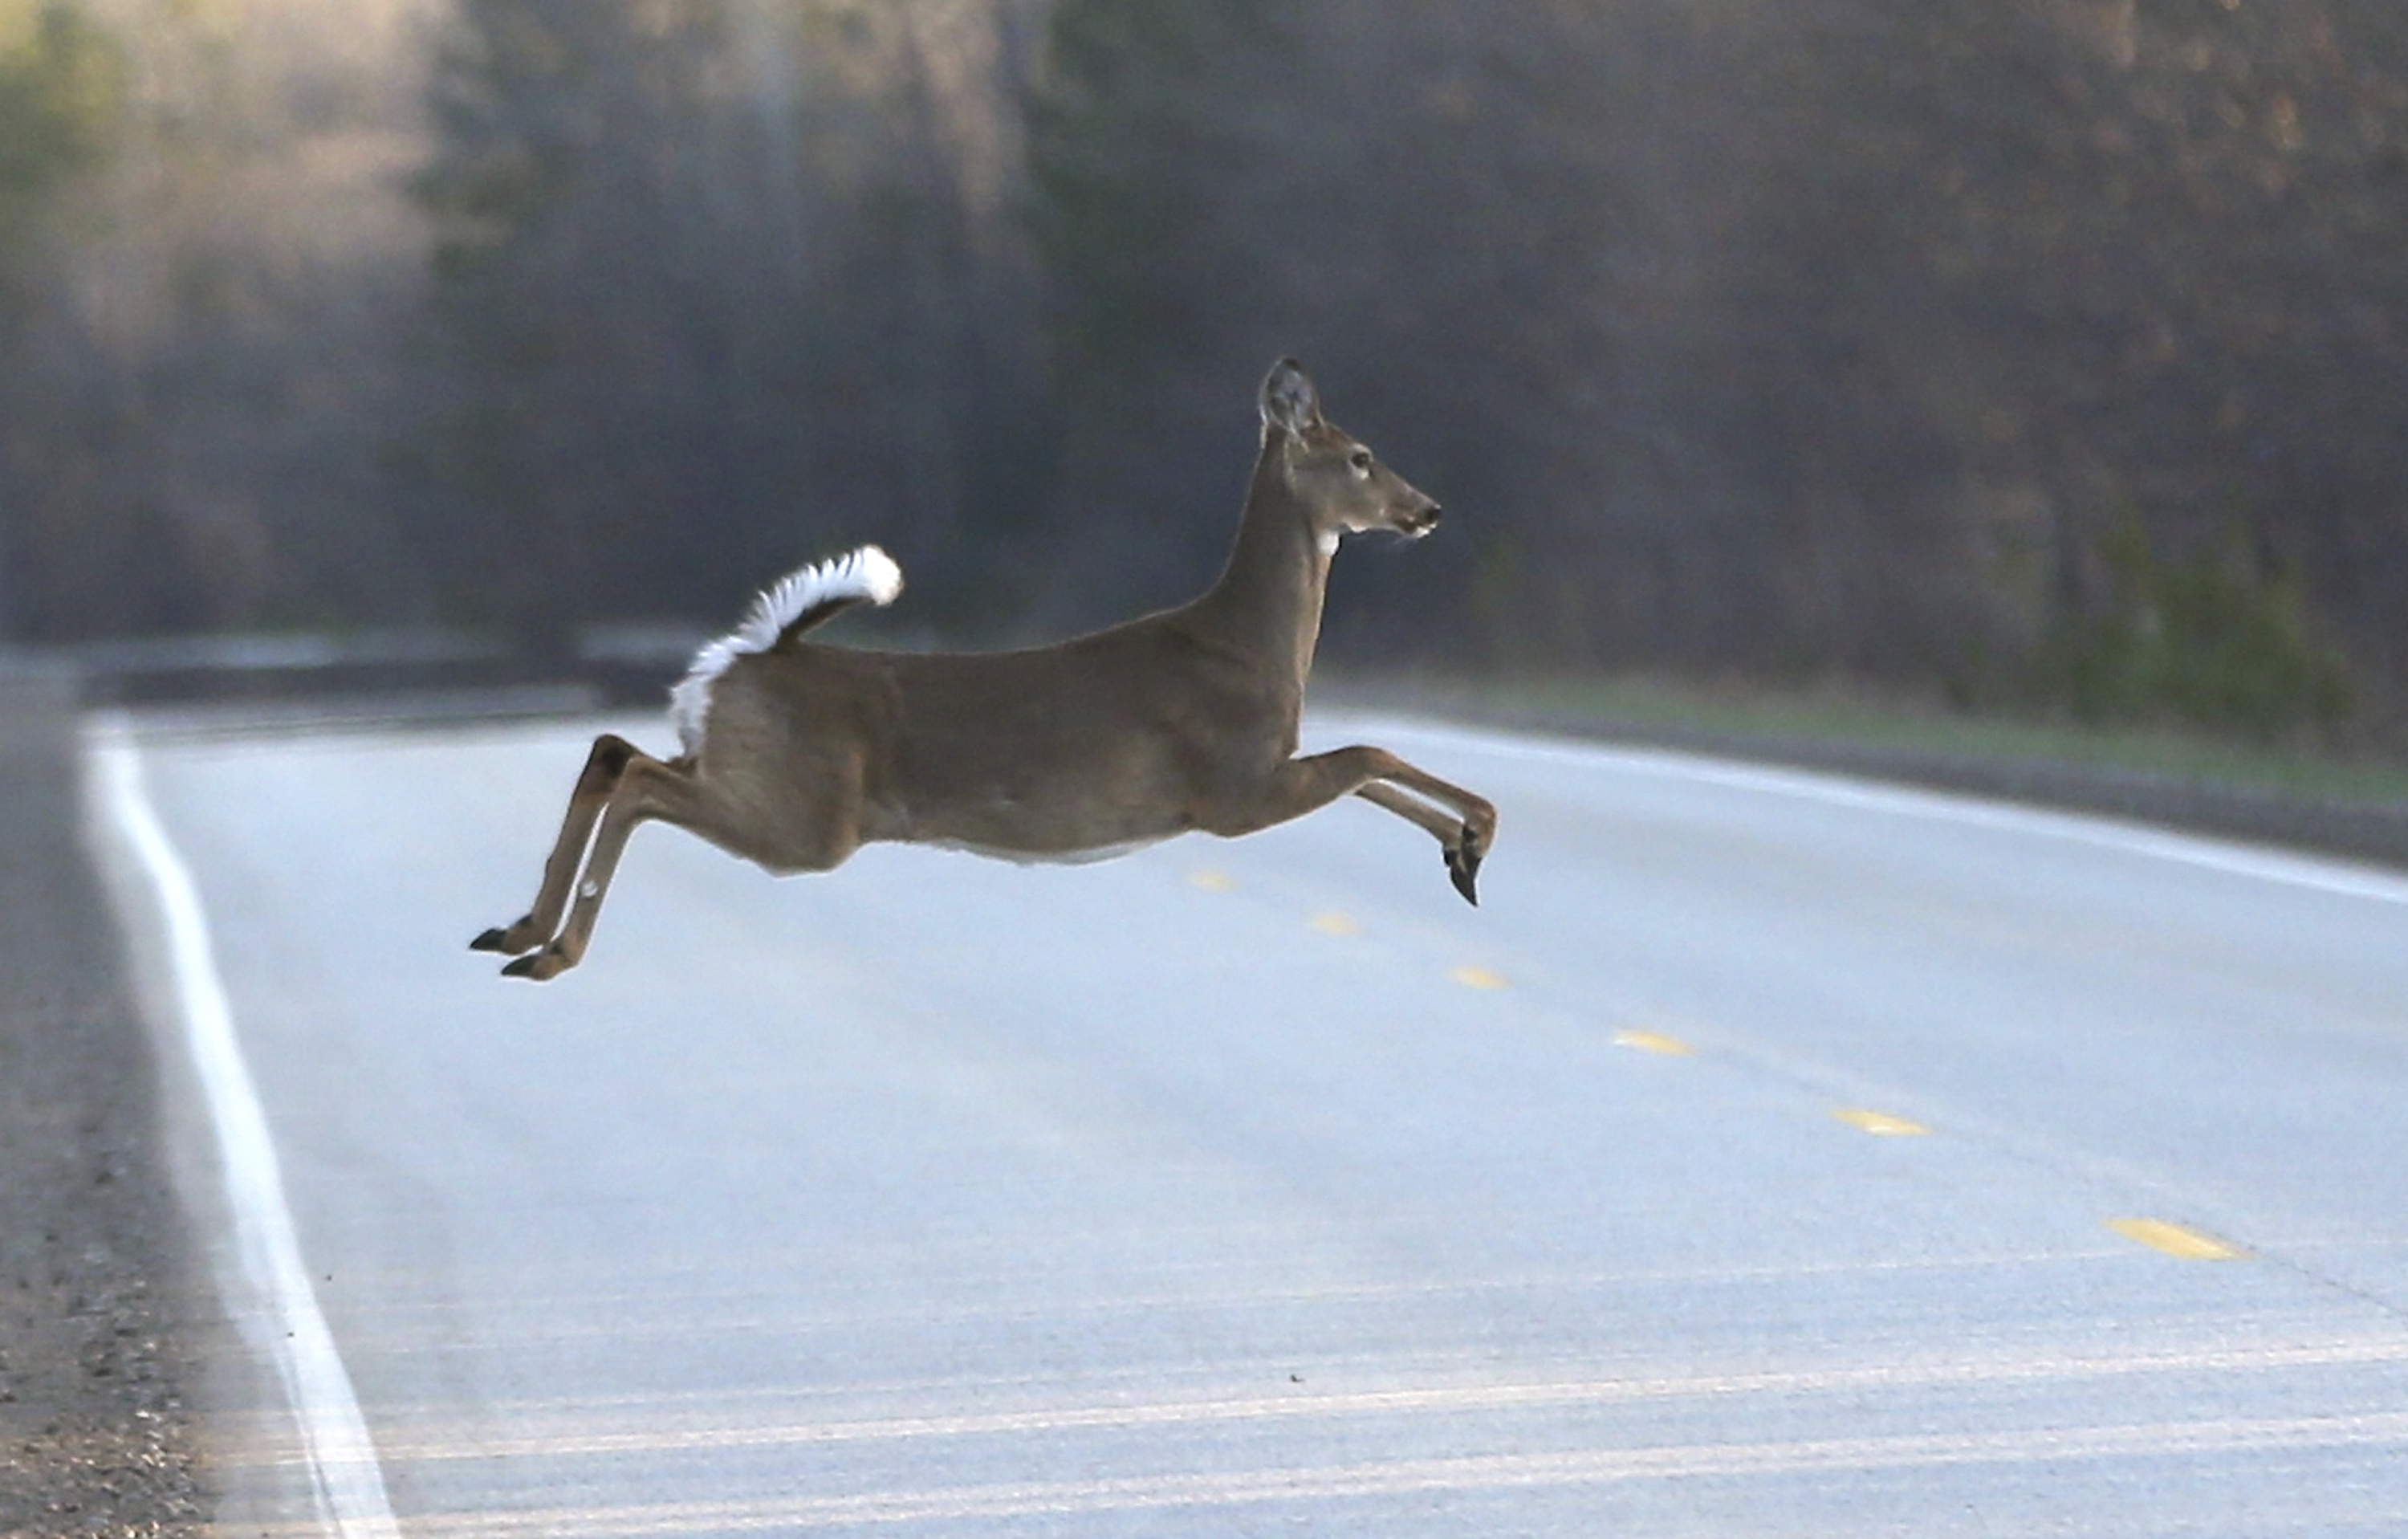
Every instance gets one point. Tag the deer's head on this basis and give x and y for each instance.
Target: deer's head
(1343, 485)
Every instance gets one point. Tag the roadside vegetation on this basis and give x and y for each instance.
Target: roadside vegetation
(1907, 730)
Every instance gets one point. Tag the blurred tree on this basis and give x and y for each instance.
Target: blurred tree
(561, 125)
(62, 89)
(2059, 267)
(208, 348)
(712, 281)
(61, 84)
(1423, 205)
(1803, 340)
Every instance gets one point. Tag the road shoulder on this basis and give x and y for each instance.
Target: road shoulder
(98, 1294)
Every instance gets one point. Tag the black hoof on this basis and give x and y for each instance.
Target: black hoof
(499, 939)
(546, 963)
(1462, 869)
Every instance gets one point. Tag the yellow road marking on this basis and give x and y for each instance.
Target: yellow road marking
(1651, 1042)
(1334, 923)
(1477, 977)
(2175, 1240)
(1212, 881)
(1879, 1123)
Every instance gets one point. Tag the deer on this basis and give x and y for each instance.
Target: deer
(795, 754)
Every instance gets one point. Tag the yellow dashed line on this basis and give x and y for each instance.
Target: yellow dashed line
(1477, 977)
(1653, 1041)
(1211, 881)
(1334, 923)
(1879, 1123)
(2175, 1240)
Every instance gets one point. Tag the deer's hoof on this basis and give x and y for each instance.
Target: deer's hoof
(536, 966)
(1462, 869)
(499, 939)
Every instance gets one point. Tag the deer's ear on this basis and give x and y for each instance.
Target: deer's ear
(1289, 399)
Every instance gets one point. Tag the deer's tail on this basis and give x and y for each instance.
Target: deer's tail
(793, 604)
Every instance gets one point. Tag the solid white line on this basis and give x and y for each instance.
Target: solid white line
(335, 1437)
(2232, 858)
(662, 1435)
(2047, 1449)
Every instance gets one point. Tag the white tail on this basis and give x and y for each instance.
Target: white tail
(795, 754)
(793, 604)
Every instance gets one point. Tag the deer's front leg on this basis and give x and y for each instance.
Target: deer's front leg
(1457, 841)
(1464, 839)
(1305, 785)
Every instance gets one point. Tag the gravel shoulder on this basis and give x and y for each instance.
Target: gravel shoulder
(98, 1292)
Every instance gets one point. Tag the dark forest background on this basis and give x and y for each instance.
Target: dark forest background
(2048, 355)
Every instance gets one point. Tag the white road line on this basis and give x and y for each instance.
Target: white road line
(662, 1435)
(342, 1461)
(2048, 1449)
(2262, 863)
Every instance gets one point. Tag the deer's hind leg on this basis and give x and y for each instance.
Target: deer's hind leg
(595, 782)
(827, 832)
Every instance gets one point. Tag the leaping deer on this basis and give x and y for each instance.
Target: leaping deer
(795, 754)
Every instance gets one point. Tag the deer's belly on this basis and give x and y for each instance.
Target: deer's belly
(1037, 829)
(1080, 857)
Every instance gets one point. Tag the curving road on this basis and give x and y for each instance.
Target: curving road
(1770, 1154)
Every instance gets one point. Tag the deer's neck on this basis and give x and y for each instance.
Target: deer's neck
(1267, 604)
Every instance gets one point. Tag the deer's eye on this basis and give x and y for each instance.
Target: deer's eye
(1361, 461)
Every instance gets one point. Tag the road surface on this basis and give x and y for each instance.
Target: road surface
(1769, 1155)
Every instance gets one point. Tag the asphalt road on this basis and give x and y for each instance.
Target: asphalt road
(1769, 1155)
